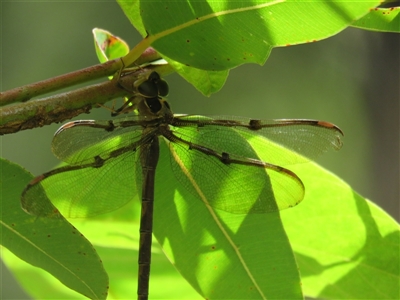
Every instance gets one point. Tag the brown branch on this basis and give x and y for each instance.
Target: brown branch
(66, 105)
(57, 108)
(25, 93)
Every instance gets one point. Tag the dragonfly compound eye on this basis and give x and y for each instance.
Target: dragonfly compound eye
(153, 86)
(154, 104)
(163, 88)
(154, 76)
(148, 89)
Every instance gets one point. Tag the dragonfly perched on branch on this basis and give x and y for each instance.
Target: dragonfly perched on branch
(204, 151)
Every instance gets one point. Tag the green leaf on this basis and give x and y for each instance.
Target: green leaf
(49, 243)
(224, 245)
(340, 240)
(222, 255)
(220, 35)
(346, 246)
(108, 46)
(115, 237)
(207, 82)
(380, 19)
(132, 12)
(235, 244)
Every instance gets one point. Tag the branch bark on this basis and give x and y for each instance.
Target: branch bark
(64, 106)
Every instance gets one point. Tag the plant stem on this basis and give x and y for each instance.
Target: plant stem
(25, 93)
(67, 105)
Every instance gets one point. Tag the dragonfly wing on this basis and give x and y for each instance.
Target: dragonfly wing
(238, 185)
(306, 138)
(102, 171)
(84, 191)
(77, 142)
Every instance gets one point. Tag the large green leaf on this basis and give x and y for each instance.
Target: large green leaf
(222, 255)
(220, 35)
(116, 239)
(251, 252)
(346, 246)
(49, 243)
(114, 236)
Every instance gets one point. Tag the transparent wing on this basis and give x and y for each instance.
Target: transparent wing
(103, 158)
(86, 191)
(78, 142)
(252, 179)
(234, 183)
(103, 173)
(309, 138)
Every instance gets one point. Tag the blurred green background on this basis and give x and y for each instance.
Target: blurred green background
(351, 79)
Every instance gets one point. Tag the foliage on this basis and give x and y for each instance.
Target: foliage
(344, 246)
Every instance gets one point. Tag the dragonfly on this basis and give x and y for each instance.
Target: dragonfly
(204, 151)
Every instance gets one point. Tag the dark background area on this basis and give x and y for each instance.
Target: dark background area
(351, 79)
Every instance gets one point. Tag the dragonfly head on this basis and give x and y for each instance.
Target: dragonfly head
(151, 85)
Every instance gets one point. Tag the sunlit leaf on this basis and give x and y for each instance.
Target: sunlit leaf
(346, 246)
(48, 243)
(222, 255)
(219, 35)
(108, 46)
